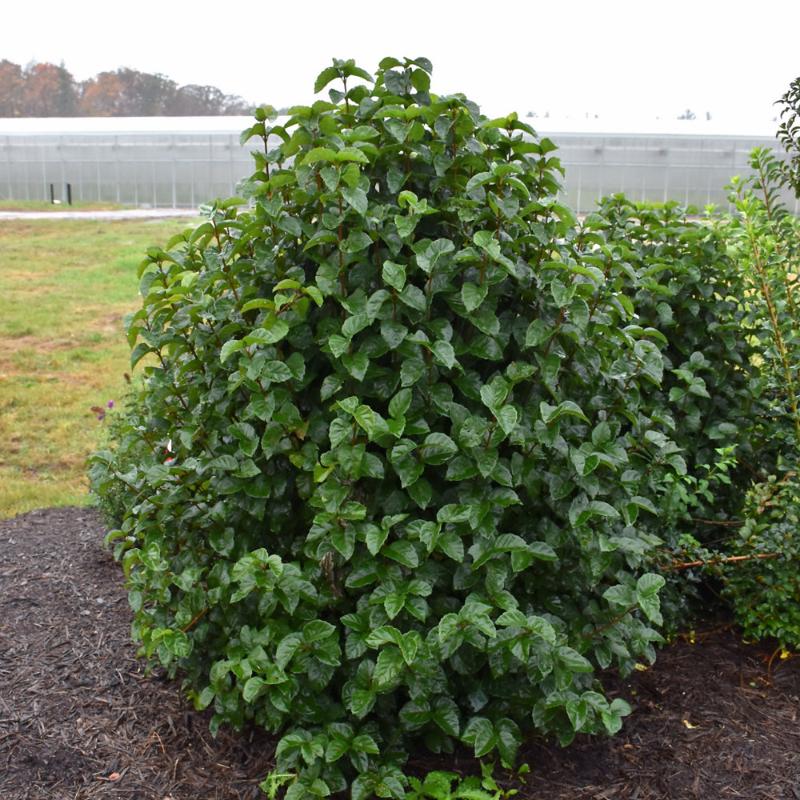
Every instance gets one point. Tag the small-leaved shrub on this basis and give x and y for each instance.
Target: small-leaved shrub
(393, 473)
(789, 136)
(765, 241)
(764, 586)
(760, 567)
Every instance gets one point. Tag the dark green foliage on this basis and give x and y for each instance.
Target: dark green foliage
(687, 289)
(411, 438)
(686, 284)
(757, 566)
(722, 291)
(394, 471)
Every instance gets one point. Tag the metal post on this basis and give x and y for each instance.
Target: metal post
(116, 165)
(44, 166)
(601, 163)
(60, 148)
(232, 171)
(8, 166)
(52, 194)
(69, 194)
(210, 189)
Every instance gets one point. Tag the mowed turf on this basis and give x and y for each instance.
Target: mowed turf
(65, 287)
(42, 205)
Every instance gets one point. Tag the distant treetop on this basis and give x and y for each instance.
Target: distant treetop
(48, 90)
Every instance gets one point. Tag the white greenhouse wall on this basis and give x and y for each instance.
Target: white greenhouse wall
(183, 162)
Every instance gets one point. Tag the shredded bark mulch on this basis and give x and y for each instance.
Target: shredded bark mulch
(80, 719)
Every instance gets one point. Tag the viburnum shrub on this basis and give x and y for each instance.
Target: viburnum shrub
(686, 284)
(390, 478)
(686, 289)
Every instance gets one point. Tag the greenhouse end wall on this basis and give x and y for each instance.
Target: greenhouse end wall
(182, 163)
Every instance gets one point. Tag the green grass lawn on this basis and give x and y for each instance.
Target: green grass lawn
(44, 205)
(64, 289)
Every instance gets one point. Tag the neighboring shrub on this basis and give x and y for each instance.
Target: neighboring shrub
(413, 444)
(765, 241)
(760, 564)
(789, 136)
(125, 441)
(686, 284)
(764, 587)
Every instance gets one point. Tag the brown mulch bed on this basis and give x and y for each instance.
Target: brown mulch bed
(80, 719)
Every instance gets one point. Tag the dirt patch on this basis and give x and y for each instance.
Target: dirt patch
(42, 344)
(108, 323)
(79, 718)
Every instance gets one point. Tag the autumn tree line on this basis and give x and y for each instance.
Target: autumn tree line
(50, 90)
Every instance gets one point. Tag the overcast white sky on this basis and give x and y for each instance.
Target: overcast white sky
(610, 57)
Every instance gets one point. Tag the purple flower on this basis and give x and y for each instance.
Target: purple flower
(110, 404)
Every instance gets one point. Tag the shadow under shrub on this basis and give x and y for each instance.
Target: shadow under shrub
(414, 451)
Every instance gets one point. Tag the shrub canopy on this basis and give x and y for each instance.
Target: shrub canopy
(393, 473)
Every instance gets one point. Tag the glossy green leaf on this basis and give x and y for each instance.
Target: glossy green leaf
(394, 275)
(356, 198)
(472, 296)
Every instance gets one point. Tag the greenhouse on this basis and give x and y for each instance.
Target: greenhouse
(177, 162)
